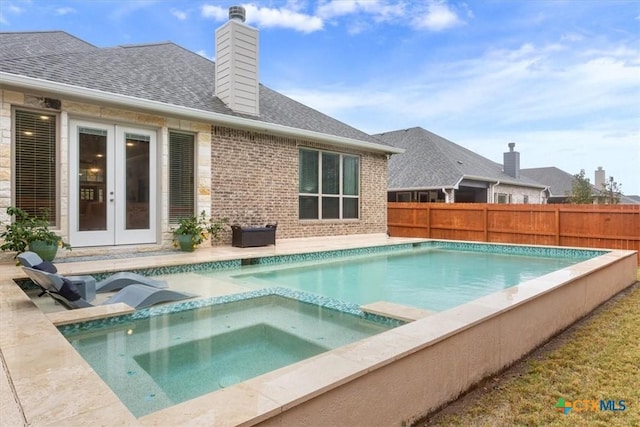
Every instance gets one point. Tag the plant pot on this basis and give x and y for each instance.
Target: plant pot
(185, 242)
(47, 251)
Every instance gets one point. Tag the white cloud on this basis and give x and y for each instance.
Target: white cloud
(437, 16)
(356, 15)
(378, 9)
(265, 17)
(203, 53)
(572, 37)
(581, 107)
(181, 15)
(125, 9)
(9, 9)
(216, 12)
(62, 11)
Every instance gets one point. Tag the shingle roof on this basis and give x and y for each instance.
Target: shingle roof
(40, 43)
(559, 181)
(162, 72)
(430, 161)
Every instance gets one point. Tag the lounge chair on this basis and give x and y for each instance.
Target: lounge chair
(65, 292)
(112, 283)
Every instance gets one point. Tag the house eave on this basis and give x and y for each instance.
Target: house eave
(503, 181)
(77, 92)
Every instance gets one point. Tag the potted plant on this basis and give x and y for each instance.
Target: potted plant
(193, 230)
(31, 232)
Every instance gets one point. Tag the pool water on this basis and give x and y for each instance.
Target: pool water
(428, 278)
(160, 360)
(230, 357)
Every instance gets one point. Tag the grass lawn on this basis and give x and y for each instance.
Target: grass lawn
(597, 358)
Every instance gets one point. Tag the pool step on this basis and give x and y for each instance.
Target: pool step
(396, 311)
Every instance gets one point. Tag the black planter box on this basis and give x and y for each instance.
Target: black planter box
(244, 237)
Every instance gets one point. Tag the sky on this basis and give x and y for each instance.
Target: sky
(559, 78)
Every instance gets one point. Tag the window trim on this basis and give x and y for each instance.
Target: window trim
(340, 196)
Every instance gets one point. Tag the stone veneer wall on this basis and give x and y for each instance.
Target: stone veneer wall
(86, 111)
(255, 180)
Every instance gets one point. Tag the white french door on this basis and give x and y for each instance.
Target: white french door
(113, 192)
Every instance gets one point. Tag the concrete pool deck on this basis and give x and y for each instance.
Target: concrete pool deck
(44, 381)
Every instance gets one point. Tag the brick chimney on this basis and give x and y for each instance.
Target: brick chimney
(236, 79)
(599, 178)
(511, 160)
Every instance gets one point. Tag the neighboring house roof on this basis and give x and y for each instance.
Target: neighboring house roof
(630, 200)
(634, 198)
(430, 161)
(163, 72)
(561, 183)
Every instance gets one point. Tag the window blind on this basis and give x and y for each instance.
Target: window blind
(36, 163)
(181, 175)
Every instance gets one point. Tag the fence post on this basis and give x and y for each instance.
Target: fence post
(557, 225)
(485, 212)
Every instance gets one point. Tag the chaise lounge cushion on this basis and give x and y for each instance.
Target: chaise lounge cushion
(46, 266)
(69, 290)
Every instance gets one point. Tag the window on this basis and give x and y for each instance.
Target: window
(329, 185)
(405, 196)
(503, 198)
(181, 175)
(36, 163)
(525, 199)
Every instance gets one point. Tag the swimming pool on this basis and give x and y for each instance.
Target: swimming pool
(160, 357)
(430, 277)
(451, 350)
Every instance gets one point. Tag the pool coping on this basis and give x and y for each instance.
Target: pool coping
(34, 376)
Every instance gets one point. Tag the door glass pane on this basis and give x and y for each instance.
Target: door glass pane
(137, 181)
(330, 173)
(92, 158)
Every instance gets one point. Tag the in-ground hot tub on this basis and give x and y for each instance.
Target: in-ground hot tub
(157, 358)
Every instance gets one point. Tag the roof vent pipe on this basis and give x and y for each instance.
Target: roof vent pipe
(237, 13)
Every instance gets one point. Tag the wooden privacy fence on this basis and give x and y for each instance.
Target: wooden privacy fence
(592, 226)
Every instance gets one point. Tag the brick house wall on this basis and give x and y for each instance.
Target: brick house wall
(254, 180)
(517, 194)
(248, 177)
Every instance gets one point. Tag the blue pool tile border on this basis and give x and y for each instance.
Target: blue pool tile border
(303, 297)
(184, 268)
(504, 249)
(483, 247)
(541, 251)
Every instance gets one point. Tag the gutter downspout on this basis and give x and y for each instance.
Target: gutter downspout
(446, 195)
(542, 198)
(493, 189)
